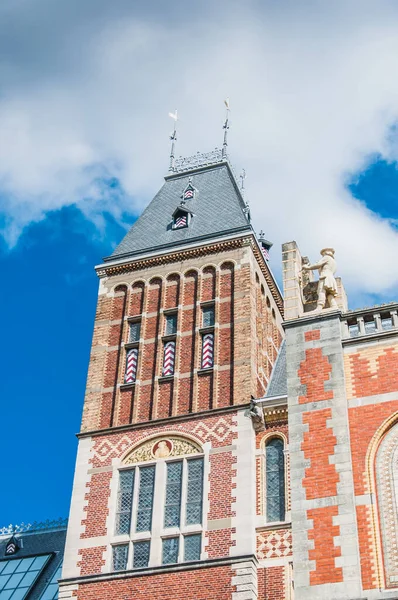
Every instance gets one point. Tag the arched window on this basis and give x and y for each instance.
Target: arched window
(159, 504)
(275, 480)
(386, 470)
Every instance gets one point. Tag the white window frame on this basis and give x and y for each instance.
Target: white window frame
(159, 532)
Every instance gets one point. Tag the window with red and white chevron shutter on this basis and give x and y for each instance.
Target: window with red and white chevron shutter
(207, 350)
(169, 358)
(131, 366)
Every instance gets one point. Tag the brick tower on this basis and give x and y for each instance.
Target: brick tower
(168, 496)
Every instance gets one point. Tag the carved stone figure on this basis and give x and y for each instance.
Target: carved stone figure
(327, 287)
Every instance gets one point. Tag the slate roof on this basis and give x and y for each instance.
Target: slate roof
(217, 207)
(278, 382)
(36, 543)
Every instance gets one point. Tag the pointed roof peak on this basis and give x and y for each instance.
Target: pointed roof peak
(217, 207)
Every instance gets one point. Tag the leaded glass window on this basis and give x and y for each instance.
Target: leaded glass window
(125, 501)
(275, 480)
(171, 324)
(172, 509)
(119, 557)
(194, 491)
(208, 316)
(135, 330)
(145, 499)
(170, 550)
(192, 547)
(141, 552)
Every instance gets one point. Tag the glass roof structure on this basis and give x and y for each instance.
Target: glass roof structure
(18, 576)
(51, 591)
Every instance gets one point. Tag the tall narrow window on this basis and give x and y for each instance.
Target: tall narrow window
(275, 480)
(172, 508)
(169, 358)
(145, 499)
(194, 491)
(132, 348)
(131, 365)
(124, 502)
(208, 316)
(171, 324)
(134, 331)
(207, 350)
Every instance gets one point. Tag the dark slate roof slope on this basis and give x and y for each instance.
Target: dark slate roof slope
(278, 382)
(33, 544)
(217, 206)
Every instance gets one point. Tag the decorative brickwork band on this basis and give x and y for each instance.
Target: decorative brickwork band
(208, 351)
(131, 366)
(169, 358)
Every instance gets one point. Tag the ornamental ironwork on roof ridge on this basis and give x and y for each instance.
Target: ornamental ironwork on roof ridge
(35, 526)
(200, 160)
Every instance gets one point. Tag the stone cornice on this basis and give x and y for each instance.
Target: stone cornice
(170, 257)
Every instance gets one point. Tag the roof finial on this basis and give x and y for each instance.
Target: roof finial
(173, 138)
(242, 182)
(226, 127)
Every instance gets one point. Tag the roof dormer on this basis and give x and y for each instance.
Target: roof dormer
(181, 217)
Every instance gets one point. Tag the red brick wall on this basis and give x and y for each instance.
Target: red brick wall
(236, 341)
(200, 584)
(271, 583)
(369, 372)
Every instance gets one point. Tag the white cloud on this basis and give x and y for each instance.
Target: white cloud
(313, 88)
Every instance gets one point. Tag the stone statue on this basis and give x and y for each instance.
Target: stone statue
(327, 287)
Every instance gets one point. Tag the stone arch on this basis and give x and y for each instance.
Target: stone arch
(381, 481)
(137, 298)
(172, 290)
(175, 444)
(208, 283)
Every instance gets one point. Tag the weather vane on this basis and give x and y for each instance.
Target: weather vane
(226, 127)
(173, 138)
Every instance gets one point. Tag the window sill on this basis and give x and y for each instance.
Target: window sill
(276, 525)
(127, 386)
(206, 371)
(165, 378)
(169, 338)
(131, 345)
(204, 330)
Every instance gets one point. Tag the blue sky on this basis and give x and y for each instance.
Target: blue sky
(48, 308)
(86, 88)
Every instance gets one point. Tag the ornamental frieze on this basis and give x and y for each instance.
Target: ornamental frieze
(162, 447)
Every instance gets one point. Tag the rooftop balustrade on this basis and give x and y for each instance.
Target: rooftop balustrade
(374, 321)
